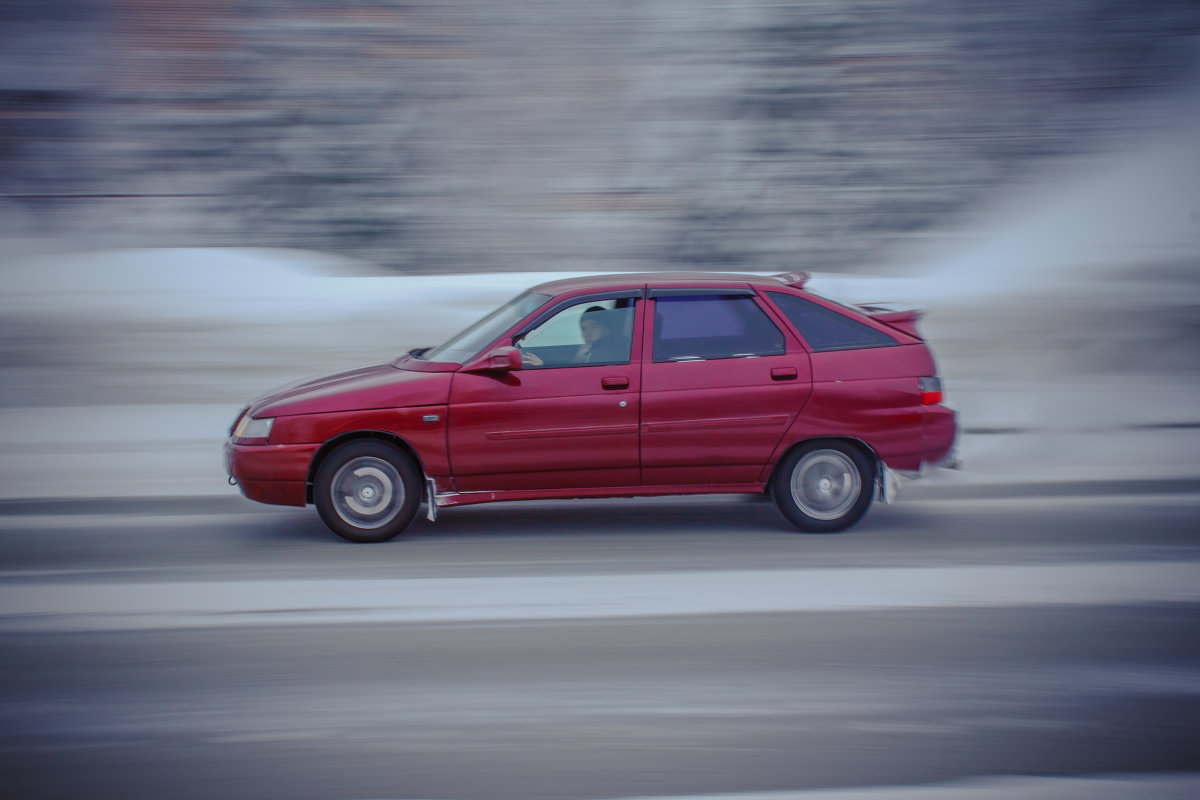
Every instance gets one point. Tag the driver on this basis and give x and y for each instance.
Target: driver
(597, 327)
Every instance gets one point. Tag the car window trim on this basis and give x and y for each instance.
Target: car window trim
(712, 290)
(549, 311)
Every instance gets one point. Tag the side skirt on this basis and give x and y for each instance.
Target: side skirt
(471, 498)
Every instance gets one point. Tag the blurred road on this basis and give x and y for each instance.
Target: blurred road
(203, 647)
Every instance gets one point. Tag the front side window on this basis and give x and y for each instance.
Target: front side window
(699, 327)
(587, 332)
(825, 329)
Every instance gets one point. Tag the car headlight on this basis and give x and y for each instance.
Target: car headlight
(250, 428)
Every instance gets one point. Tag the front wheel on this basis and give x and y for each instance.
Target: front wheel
(824, 487)
(367, 491)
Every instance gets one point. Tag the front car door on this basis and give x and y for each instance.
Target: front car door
(721, 384)
(569, 417)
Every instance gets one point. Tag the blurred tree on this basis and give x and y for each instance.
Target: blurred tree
(458, 135)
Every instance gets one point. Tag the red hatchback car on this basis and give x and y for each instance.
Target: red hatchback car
(613, 386)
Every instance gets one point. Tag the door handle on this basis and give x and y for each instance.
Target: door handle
(783, 373)
(615, 383)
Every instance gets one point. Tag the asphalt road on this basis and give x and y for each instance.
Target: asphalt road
(131, 666)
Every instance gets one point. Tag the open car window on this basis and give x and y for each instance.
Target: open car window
(592, 331)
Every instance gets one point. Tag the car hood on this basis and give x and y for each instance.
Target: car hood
(376, 386)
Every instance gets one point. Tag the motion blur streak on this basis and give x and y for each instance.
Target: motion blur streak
(463, 136)
(201, 199)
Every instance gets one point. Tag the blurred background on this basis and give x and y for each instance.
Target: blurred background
(427, 137)
(200, 200)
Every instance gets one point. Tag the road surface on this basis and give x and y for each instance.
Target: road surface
(979, 644)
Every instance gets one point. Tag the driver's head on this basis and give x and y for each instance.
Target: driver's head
(591, 325)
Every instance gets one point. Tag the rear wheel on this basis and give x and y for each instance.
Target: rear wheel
(824, 487)
(367, 491)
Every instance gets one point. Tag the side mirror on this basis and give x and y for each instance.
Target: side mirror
(501, 359)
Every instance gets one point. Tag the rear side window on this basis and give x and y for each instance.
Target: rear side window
(696, 327)
(825, 329)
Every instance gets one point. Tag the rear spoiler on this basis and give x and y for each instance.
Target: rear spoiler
(894, 316)
(901, 318)
(794, 279)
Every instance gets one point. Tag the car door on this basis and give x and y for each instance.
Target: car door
(721, 384)
(867, 383)
(569, 418)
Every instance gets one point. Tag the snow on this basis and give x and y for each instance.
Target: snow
(226, 325)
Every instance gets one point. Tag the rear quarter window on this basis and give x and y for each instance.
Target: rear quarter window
(825, 329)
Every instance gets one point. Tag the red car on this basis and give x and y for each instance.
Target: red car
(613, 386)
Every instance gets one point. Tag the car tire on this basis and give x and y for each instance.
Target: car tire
(367, 491)
(824, 486)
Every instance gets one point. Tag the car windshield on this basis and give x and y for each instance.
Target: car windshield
(466, 345)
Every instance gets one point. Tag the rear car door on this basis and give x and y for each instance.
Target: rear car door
(866, 382)
(721, 384)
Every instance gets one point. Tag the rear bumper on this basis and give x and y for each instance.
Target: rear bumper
(271, 473)
(941, 430)
(938, 450)
(949, 461)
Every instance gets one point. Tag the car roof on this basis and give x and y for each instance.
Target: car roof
(668, 280)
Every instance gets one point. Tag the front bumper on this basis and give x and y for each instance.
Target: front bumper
(271, 473)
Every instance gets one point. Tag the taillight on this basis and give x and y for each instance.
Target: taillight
(931, 391)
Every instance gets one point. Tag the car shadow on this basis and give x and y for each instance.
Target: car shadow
(615, 517)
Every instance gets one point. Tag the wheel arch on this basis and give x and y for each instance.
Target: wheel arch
(343, 438)
(866, 449)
